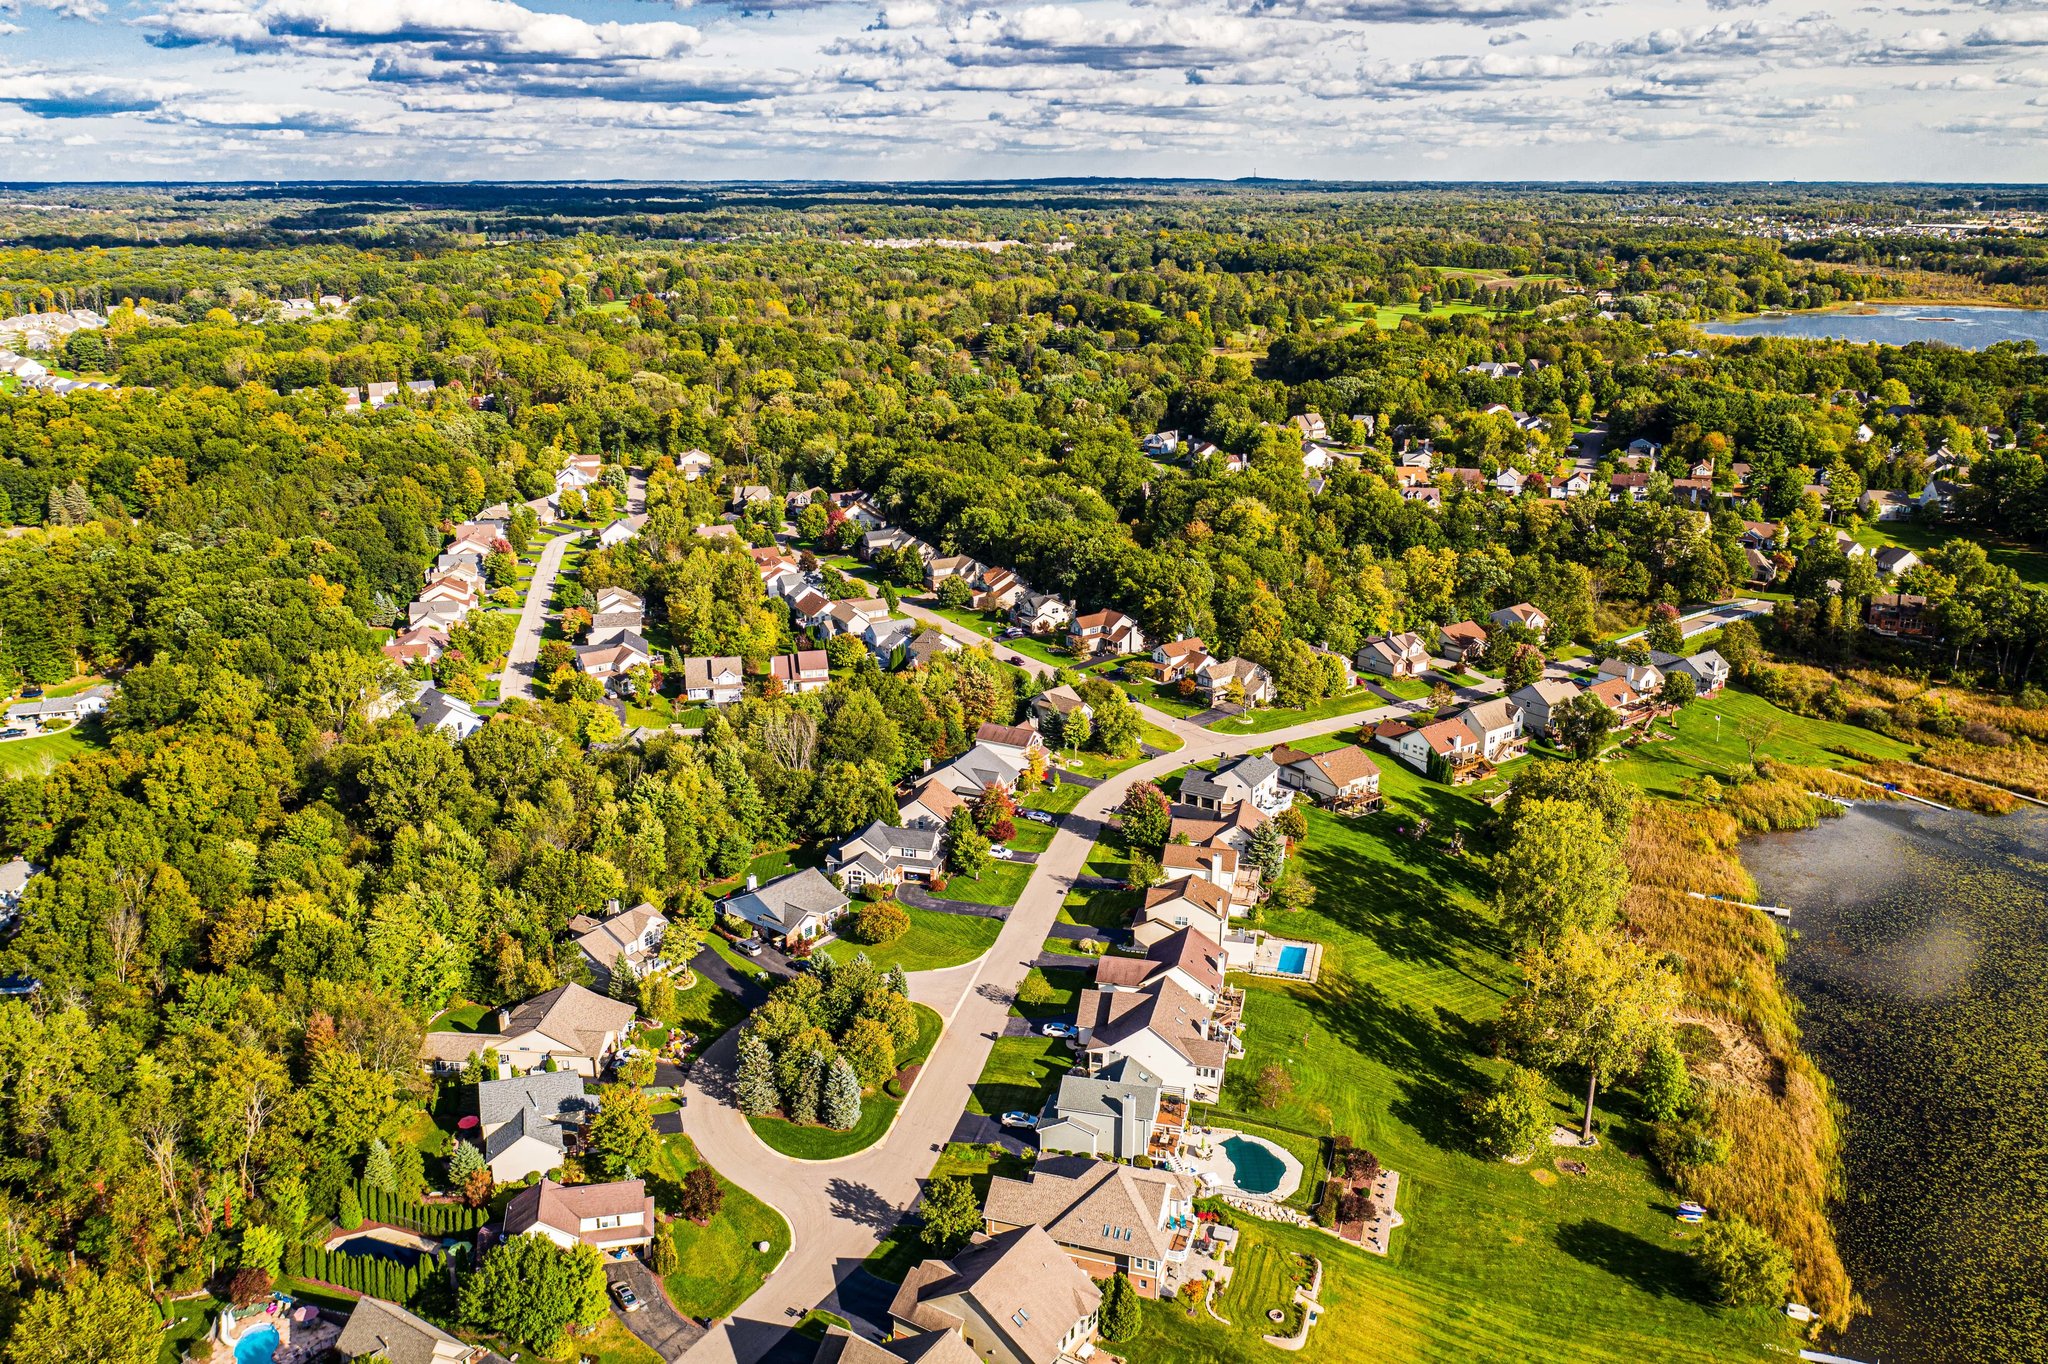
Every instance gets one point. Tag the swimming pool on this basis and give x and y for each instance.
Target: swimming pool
(1293, 961)
(258, 1345)
(1254, 1167)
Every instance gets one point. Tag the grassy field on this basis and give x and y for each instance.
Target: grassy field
(1022, 1072)
(1000, 883)
(1496, 1262)
(1067, 984)
(717, 1267)
(23, 757)
(1269, 718)
(2031, 564)
(876, 1113)
(934, 941)
(1057, 800)
(1711, 740)
(465, 1016)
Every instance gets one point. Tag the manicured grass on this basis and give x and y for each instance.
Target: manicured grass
(877, 1111)
(186, 1323)
(1099, 908)
(1056, 800)
(1160, 696)
(1920, 537)
(1022, 1072)
(1066, 984)
(708, 1011)
(22, 757)
(465, 1016)
(717, 1267)
(1711, 742)
(609, 1342)
(1000, 884)
(1407, 688)
(768, 866)
(1032, 837)
(818, 1321)
(900, 1251)
(1496, 1262)
(935, 940)
(1267, 719)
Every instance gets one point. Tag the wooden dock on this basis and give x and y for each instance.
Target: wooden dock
(1775, 911)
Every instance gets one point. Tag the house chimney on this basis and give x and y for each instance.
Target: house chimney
(753, 881)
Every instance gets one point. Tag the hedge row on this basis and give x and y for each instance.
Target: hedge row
(372, 1275)
(429, 1219)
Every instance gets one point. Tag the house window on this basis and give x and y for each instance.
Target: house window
(604, 1223)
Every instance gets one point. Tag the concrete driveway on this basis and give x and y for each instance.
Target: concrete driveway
(659, 1326)
(839, 1210)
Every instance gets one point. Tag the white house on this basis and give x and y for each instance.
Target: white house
(1497, 725)
(435, 711)
(579, 1028)
(635, 934)
(801, 906)
(617, 533)
(1163, 1028)
(716, 681)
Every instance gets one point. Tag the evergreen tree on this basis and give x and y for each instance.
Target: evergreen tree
(463, 1161)
(898, 981)
(624, 987)
(800, 1105)
(77, 504)
(350, 1211)
(1118, 1317)
(378, 1172)
(842, 1096)
(1268, 850)
(409, 1173)
(756, 1083)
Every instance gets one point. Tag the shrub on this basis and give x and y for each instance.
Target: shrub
(1513, 1117)
(702, 1196)
(250, 1286)
(880, 923)
(350, 1211)
(1744, 1267)
(1036, 990)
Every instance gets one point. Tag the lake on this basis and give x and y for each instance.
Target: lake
(1896, 324)
(1922, 962)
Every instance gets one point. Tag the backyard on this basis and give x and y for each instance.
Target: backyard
(23, 757)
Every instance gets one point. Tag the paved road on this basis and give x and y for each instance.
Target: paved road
(517, 679)
(866, 1194)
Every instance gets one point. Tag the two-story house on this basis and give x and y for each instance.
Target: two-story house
(886, 855)
(611, 1217)
(1105, 633)
(578, 1028)
(1216, 679)
(635, 934)
(1180, 658)
(1253, 779)
(718, 681)
(1398, 655)
(1162, 1027)
(804, 670)
(1190, 902)
(1121, 1113)
(1015, 1298)
(1040, 613)
(1522, 614)
(1540, 700)
(1110, 1219)
(1497, 725)
(526, 1122)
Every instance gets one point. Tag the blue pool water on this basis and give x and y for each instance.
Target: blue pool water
(1293, 961)
(256, 1346)
(1253, 1168)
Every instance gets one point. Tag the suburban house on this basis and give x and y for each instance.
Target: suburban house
(1310, 425)
(1617, 695)
(804, 670)
(695, 464)
(1060, 702)
(1105, 632)
(1179, 659)
(1220, 867)
(808, 608)
(1497, 724)
(1040, 613)
(997, 589)
(435, 615)
(635, 934)
(1163, 1028)
(612, 1217)
(1463, 642)
(981, 767)
(579, 1028)
(1763, 568)
(1253, 779)
(617, 533)
(1895, 615)
(377, 1329)
(927, 645)
(436, 712)
(853, 616)
(884, 855)
(887, 639)
(1708, 670)
(1628, 487)
(1880, 505)
(1344, 778)
(1187, 958)
(1893, 560)
(615, 656)
(929, 805)
(841, 1346)
(858, 509)
(951, 566)
(416, 646)
(525, 1122)
(1523, 614)
(1446, 746)
(1214, 680)
(1539, 700)
(1015, 1298)
(1023, 740)
(1191, 903)
(1109, 1218)
(1644, 677)
(618, 599)
(799, 907)
(716, 681)
(1761, 535)
(1402, 655)
(886, 540)
(745, 495)
(1120, 1113)
(1232, 828)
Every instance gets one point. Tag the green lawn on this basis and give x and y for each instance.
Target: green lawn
(934, 941)
(1067, 984)
(717, 1267)
(1000, 884)
(768, 866)
(1022, 1072)
(707, 1011)
(1160, 696)
(902, 1249)
(1269, 718)
(1711, 740)
(466, 1016)
(2031, 564)
(1407, 688)
(988, 625)
(1496, 1262)
(22, 757)
(185, 1323)
(1056, 800)
(876, 1113)
(1031, 837)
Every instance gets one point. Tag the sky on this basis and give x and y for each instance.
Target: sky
(921, 89)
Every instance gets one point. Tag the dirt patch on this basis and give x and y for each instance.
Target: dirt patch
(1543, 1177)
(1736, 1057)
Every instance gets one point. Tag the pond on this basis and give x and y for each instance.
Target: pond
(1922, 964)
(1898, 324)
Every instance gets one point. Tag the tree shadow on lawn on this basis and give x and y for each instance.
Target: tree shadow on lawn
(1404, 914)
(1434, 1057)
(1659, 1271)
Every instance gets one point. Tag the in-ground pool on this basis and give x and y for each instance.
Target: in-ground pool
(258, 1345)
(1293, 961)
(1254, 1167)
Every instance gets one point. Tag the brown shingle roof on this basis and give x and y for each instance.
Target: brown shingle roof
(564, 1207)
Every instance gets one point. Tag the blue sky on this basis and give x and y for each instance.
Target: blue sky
(1479, 89)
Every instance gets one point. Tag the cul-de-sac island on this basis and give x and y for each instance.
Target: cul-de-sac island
(1022, 773)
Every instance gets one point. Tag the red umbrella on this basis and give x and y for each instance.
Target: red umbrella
(465, 1122)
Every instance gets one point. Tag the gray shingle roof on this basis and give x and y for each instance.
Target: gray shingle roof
(558, 1095)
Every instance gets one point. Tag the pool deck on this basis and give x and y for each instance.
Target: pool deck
(1202, 1155)
(298, 1342)
(1262, 956)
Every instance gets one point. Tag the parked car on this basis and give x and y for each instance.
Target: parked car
(751, 947)
(1023, 1120)
(999, 852)
(1038, 816)
(1013, 632)
(1059, 1030)
(629, 1301)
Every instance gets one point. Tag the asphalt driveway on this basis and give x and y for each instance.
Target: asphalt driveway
(659, 1326)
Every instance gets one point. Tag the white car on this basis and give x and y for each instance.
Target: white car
(999, 852)
(1023, 1120)
(1059, 1030)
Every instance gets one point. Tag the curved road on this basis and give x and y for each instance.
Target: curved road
(839, 1210)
